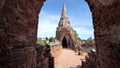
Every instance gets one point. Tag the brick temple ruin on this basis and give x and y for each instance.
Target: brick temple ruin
(64, 32)
(18, 34)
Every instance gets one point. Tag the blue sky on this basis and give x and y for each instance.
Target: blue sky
(78, 13)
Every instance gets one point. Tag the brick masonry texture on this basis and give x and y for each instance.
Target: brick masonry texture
(18, 27)
(19, 21)
(56, 51)
(46, 55)
(106, 23)
(17, 57)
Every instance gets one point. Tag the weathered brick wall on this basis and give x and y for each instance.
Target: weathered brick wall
(106, 21)
(17, 57)
(43, 57)
(18, 21)
(47, 55)
(56, 51)
(90, 61)
(18, 27)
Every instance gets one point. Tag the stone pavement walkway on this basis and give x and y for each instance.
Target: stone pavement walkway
(69, 59)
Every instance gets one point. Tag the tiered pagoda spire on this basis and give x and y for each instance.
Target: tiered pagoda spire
(64, 12)
(64, 21)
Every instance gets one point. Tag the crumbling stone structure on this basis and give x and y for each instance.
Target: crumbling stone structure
(106, 21)
(64, 31)
(17, 57)
(18, 27)
(90, 61)
(47, 56)
(18, 32)
(19, 21)
(56, 51)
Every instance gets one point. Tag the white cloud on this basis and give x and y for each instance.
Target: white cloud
(47, 25)
(84, 27)
(85, 32)
(86, 22)
(52, 18)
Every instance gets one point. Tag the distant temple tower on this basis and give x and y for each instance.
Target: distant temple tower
(64, 32)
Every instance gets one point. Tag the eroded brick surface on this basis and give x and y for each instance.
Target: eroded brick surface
(18, 28)
(17, 57)
(106, 23)
(46, 55)
(56, 51)
(18, 22)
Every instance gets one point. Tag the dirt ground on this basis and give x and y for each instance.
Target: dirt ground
(69, 59)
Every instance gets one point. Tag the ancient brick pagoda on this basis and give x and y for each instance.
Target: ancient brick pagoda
(64, 32)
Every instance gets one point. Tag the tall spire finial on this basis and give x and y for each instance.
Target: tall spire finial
(64, 10)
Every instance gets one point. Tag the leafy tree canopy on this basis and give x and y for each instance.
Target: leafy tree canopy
(76, 35)
(52, 39)
(40, 41)
(90, 39)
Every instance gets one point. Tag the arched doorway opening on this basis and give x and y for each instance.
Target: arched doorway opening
(12, 33)
(64, 42)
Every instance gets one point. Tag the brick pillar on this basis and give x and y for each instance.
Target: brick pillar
(106, 21)
(18, 28)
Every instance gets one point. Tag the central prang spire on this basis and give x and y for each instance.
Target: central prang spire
(64, 12)
(64, 21)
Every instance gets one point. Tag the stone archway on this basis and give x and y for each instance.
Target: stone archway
(64, 42)
(19, 19)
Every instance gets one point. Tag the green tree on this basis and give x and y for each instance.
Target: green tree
(90, 39)
(76, 35)
(40, 41)
(51, 39)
